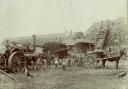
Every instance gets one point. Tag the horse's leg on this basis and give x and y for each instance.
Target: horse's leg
(103, 63)
(44, 64)
(117, 63)
(97, 63)
(49, 65)
(32, 64)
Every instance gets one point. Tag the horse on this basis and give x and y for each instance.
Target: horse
(115, 58)
(48, 59)
(31, 61)
(40, 62)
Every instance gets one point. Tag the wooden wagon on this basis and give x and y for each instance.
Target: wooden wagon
(100, 53)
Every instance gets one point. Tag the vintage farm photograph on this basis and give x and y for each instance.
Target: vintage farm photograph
(63, 44)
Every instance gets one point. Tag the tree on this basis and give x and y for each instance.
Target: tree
(78, 35)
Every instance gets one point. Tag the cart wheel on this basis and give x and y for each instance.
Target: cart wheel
(17, 62)
(90, 61)
(2, 62)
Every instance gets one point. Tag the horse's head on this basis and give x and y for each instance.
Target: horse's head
(123, 52)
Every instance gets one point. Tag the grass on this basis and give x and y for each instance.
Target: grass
(72, 78)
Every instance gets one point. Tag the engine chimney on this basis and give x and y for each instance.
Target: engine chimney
(34, 42)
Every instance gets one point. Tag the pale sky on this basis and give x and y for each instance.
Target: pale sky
(27, 17)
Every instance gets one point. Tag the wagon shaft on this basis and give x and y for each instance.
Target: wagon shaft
(31, 55)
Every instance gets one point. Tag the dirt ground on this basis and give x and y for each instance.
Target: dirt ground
(72, 78)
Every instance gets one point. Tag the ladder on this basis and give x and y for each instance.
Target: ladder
(100, 39)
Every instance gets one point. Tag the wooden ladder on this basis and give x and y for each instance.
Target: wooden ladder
(100, 39)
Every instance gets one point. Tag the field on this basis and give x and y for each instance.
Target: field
(72, 78)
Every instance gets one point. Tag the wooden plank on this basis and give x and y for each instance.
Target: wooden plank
(31, 55)
(8, 75)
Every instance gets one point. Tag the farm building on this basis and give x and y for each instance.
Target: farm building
(80, 45)
(84, 45)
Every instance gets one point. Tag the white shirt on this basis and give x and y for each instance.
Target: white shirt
(64, 62)
(56, 62)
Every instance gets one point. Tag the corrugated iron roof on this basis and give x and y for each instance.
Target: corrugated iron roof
(69, 42)
(73, 42)
(84, 41)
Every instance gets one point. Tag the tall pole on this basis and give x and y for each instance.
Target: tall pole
(126, 37)
(34, 42)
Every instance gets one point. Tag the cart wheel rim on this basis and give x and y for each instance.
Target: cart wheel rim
(91, 62)
(17, 62)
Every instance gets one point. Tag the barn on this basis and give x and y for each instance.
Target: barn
(80, 45)
(83, 45)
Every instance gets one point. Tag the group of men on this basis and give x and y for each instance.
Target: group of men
(56, 62)
(60, 62)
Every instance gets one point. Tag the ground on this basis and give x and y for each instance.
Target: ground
(72, 78)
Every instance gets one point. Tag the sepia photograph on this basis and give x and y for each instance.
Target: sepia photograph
(63, 44)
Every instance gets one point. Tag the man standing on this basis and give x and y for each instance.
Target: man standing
(56, 62)
(64, 64)
(48, 63)
(69, 61)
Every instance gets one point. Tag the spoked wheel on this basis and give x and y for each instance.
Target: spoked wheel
(2, 62)
(90, 62)
(17, 62)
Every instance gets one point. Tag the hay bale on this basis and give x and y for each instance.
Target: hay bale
(55, 48)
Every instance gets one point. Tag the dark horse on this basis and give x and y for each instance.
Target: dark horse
(46, 58)
(48, 61)
(115, 58)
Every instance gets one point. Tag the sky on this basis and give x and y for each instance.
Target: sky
(28, 17)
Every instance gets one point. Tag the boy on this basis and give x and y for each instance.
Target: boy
(56, 62)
